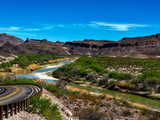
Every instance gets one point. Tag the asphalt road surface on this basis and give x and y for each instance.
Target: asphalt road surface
(15, 93)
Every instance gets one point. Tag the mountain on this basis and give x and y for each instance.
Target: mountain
(147, 46)
(33, 46)
(140, 47)
(59, 43)
(4, 38)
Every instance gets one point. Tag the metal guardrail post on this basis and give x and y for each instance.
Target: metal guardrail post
(21, 105)
(24, 104)
(1, 112)
(6, 111)
(15, 108)
(11, 108)
(28, 101)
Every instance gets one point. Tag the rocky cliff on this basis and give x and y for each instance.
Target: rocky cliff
(148, 46)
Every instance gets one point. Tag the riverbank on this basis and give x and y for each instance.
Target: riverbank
(155, 96)
(134, 105)
(43, 75)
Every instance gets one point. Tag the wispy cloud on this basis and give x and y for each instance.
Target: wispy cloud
(6, 29)
(94, 24)
(9, 28)
(32, 29)
(13, 28)
(117, 26)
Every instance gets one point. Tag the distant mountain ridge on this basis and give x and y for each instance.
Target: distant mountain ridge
(148, 46)
(4, 38)
(33, 46)
(142, 47)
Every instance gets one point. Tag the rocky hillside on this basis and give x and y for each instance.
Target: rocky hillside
(4, 38)
(140, 47)
(33, 46)
(148, 46)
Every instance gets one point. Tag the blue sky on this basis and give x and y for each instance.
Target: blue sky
(68, 20)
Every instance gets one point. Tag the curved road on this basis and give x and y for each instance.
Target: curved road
(15, 93)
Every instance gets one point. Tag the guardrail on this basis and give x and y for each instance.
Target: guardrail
(14, 108)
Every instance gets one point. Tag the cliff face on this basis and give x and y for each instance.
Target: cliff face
(4, 38)
(148, 46)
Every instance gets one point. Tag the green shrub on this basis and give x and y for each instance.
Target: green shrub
(25, 60)
(111, 85)
(152, 80)
(116, 75)
(102, 82)
(19, 80)
(44, 107)
(150, 77)
(128, 76)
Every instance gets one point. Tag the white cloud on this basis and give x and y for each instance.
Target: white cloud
(116, 27)
(93, 24)
(13, 28)
(9, 28)
(32, 29)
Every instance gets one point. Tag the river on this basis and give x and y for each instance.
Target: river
(41, 74)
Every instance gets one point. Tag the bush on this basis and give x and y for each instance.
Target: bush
(128, 76)
(116, 75)
(90, 114)
(153, 80)
(91, 76)
(158, 90)
(102, 82)
(20, 80)
(150, 77)
(44, 107)
(104, 79)
(111, 85)
(25, 60)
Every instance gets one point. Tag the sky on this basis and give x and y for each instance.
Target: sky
(70, 20)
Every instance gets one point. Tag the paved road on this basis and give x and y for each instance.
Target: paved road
(10, 94)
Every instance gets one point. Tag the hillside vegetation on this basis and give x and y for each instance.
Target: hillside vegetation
(24, 60)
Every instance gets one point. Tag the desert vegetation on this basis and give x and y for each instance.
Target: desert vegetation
(83, 105)
(23, 61)
(133, 74)
(100, 72)
(45, 108)
(86, 106)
